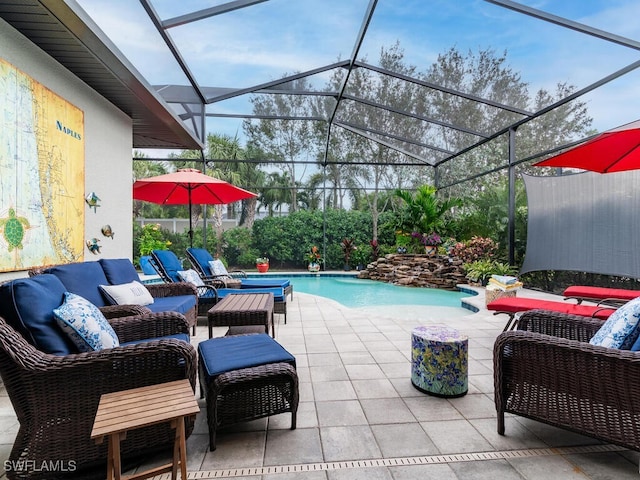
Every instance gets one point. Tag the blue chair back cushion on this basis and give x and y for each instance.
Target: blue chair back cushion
(83, 279)
(169, 263)
(202, 258)
(178, 303)
(145, 265)
(119, 270)
(224, 354)
(27, 304)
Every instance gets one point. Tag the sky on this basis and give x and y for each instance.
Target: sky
(268, 40)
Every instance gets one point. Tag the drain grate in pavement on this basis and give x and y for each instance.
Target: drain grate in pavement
(394, 462)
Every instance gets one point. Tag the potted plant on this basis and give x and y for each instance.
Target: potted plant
(360, 258)
(431, 242)
(314, 259)
(480, 271)
(348, 246)
(262, 264)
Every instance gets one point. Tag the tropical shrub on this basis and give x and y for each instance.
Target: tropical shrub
(477, 248)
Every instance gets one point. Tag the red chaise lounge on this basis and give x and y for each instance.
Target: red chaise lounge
(513, 305)
(600, 294)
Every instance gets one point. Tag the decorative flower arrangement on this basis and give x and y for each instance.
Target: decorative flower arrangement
(432, 239)
(262, 260)
(314, 255)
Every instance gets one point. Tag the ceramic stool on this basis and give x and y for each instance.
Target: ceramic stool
(439, 361)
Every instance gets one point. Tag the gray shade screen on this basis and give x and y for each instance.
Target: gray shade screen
(586, 222)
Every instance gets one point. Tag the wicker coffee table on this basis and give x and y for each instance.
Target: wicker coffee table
(242, 309)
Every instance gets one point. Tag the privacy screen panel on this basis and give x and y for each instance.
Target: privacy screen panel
(586, 222)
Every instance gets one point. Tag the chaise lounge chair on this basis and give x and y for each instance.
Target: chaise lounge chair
(513, 305)
(170, 269)
(613, 296)
(203, 262)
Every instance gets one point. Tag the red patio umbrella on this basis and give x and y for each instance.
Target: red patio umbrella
(615, 150)
(186, 187)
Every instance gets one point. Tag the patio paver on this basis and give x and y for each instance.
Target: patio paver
(360, 417)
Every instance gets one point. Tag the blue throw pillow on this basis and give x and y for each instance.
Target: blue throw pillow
(119, 270)
(27, 304)
(191, 276)
(621, 328)
(85, 324)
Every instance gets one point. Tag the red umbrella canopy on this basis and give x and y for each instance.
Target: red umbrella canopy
(612, 151)
(188, 186)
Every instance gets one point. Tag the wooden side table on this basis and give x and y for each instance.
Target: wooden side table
(119, 412)
(242, 309)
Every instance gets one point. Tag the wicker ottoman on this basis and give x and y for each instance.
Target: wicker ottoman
(439, 361)
(246, 377)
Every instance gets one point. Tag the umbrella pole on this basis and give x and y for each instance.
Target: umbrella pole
(190, 220)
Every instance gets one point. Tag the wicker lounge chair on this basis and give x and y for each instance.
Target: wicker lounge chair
(547, 371)
(200, 258)
(55, 396)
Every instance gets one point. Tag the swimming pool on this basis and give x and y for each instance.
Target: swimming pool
(355, 292)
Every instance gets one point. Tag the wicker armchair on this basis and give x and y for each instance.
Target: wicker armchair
(547, 371)
(56, 397)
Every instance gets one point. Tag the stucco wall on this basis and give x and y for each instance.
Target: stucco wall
(108, 145)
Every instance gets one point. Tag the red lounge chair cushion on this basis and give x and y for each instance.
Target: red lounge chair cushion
(518, 304)
(600, 293)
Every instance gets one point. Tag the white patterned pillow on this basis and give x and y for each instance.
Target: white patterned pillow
(132, 293)
(191, 276)
(621, 328)
(218, 269)
(85, 324)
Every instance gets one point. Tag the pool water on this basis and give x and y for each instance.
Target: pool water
(356, 292)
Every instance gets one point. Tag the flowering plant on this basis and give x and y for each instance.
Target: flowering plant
(152, 238)
(313, 256)
(262, 260)
(432, 239)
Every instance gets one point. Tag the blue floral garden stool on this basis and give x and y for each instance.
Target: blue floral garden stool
(439, 361)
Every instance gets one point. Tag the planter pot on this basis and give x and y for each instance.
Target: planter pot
(262, 267)
(347, 267)
(314, 267)
(431, 250)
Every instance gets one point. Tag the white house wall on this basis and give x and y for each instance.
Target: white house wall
(108, 145)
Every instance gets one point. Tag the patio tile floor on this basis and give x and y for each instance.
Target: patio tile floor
(360, 417)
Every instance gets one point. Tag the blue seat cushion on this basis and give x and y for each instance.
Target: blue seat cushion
(178, 303)
(264, 282)
(278, 293)
(179, 336)
(169, 262)
(83, 279)
(119, 270)
(202, 258)
(224, 354)
(27, 304)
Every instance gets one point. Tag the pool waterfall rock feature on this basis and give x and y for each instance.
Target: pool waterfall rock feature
(440, 271)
